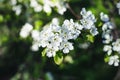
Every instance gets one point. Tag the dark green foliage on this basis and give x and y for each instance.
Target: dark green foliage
(16, 58)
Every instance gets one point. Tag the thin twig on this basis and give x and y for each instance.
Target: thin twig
(68, 6)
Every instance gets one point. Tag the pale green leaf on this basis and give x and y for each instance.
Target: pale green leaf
(43, 52)
(58, 59)
(90, 38)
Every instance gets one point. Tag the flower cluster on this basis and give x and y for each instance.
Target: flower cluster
(106, 28)
(88, 20)
(118, 6)
(114, 47)
(109, 46)
(57, 38)
(47, 5)
(39, 5)
(16, 8)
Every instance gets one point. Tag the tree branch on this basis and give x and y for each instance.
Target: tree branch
(69, 8)
(117, 77)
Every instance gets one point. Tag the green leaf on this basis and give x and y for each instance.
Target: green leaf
(100, 24)
(38, 24)
(69, 59)
(43, 52)
(58, 58)
(49, 13)
(106, 59)
(1, 18)
(90, 38)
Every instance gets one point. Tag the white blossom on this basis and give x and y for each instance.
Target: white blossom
(78, 26)
(47, 8)
(66, 46)
(35, 5)
(55, 42)
(47, 5)
(88, 21)
(61, 7)
(13, 2)
(87, 15)
(118, 6)
(108, 49)
(70, 29)
(35, 34)
(116, 45)
(26, 29)
(65, 34)
(54, 37)
(17, 9)
(44, 36)
(55, 21)
(50, 52)
(76, 30)
(107, 37)
(107, 26)
(104, 17)
(94, 31)
(35, 47)
(114, 60)
(38, 8)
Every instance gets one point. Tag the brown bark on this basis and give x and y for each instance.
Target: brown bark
(117, 77)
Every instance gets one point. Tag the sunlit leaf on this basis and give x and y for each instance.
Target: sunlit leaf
(1, 18)
(58, 59)
(106, 59)
(100, 24)
(43, 52)
(38, 24)
(90, 38)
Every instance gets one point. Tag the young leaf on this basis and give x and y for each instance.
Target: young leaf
(106, 59)
(38, 24)
(43, 52)
(58, 59)
(90, 38)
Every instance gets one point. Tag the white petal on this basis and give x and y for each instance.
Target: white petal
(47, 8)
(34, 47)
(110, 62)
(116, 64)
(66, 50)
(109, 52)
(49, 54)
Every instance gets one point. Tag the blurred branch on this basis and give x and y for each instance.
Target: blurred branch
(115, 34)
(69, 8)
(117, 77)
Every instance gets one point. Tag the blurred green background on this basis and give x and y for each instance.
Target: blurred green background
(18, 62)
